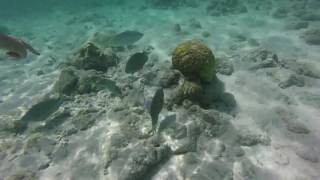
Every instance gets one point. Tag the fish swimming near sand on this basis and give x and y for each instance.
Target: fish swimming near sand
(15, 47)
(155, 106)
(136, 62)
(126, 38)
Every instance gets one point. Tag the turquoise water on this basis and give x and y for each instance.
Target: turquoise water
(159, 89)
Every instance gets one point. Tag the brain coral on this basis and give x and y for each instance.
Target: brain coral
(195, 59)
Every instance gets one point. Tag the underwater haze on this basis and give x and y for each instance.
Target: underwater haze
(160, 90)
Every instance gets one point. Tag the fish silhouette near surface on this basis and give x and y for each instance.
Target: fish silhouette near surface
(136, 62)
(15, 47)
(155, 106)
(126, 38)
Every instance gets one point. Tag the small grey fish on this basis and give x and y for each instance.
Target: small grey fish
(156, 107)
(136, 62)
(126, 38)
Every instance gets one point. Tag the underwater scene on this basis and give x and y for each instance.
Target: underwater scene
(159, 90)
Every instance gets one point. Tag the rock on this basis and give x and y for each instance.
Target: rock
(205, 34)
(309, 16)
(262, 58)
(188, 143)
(216, 122)
(297, 25)
(194, 59)
(212, 92)
(165, 4)
(224, 8)
(39, 143)
(225, 67)
(307, 153)
(102, 39)
(293, 80)
(305, 69)
(4, 29)
(311, 99)
(281, 158)
(178, 132)
(280, 13)
(33, 162)
(142, 161)
(291, 122)
(170, 79)
(250, 138)
(212, 170)
(244, 170)
(92, 81)
(85, 119)
(311, 36)
(67, 82)
(195, 24)
(22, 175)
(191, 90)
(91, 57)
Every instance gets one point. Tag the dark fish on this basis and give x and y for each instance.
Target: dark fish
(126, 38)
(136, 62)
(15, 47)
(156, 107)
(42, 110)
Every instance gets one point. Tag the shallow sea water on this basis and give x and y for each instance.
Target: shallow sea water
(73, 112)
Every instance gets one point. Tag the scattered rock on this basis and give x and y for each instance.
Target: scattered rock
(93, 81)
(212, 170)
(67, 82)
(90, 57)
(22, 175)
(293, 80)
(250, 138)
(262, 58)
(311, 36)
(143, 161)
(205, 34)
(85, 119)
(297, 25)
(195, 24)
(244, 170)
(170, 78)
(307, 153)
(225, 67)
(224, 8)
(280, 13)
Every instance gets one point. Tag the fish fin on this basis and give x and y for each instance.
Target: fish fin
(14, 54)
(30, 48)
